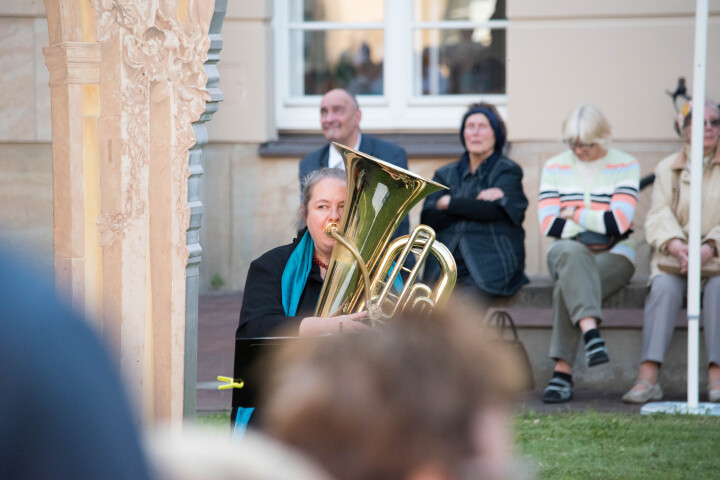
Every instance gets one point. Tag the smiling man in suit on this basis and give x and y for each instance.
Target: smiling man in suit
(340, 121)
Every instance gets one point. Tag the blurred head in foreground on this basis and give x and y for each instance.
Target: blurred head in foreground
(420, 399)
(64, 410)
(210, 455)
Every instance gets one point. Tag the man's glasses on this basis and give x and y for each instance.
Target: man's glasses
(712, 123)
(579, 145)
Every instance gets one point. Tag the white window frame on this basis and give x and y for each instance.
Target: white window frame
(398, 109)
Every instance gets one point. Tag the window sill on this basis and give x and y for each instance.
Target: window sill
(417, 145)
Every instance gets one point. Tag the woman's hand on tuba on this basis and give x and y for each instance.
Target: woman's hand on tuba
(317, 326)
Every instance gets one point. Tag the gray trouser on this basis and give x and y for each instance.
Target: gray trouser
(581, 279)
(662, 307)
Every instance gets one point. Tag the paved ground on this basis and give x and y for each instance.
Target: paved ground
(218, 317)
(217, 320)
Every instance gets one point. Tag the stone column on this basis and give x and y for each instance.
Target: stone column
(74, 80)
(127, 83)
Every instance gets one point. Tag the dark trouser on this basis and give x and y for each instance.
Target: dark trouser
(467, 288)
(581, 280)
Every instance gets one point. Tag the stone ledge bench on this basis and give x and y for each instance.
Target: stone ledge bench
(531, 310)
(538, 294)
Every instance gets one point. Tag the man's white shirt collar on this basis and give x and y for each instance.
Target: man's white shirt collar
(335, 159)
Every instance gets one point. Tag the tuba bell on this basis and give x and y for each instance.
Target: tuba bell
(363, 270)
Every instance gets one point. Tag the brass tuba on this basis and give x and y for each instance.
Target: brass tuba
(359, 275)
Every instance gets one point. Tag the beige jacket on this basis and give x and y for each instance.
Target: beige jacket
(662, 224)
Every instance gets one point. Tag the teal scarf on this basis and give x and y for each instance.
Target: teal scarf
(296, 273)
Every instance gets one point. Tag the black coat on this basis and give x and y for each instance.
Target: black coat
(385, 151)
(262, 312)
(489, 235)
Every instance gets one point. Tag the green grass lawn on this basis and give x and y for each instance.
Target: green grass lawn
(221, 420)
(619, 446)
(592, 445)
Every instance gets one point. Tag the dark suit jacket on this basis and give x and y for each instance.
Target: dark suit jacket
(374, 146)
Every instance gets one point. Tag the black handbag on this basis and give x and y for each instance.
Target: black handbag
(599, 242)
(503, 323)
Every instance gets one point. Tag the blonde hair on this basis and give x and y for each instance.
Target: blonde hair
(587, 124)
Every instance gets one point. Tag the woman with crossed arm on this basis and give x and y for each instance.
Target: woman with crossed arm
(588, 191)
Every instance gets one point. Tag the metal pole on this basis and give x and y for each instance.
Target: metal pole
(696, 171)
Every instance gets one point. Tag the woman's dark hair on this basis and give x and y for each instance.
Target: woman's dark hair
(496, 122)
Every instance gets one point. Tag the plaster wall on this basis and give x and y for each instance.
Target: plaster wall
(26, 8)
(26, 193)
(24, 77)
(521, 9)
(25, 152)
(246, 76)
(619, 56)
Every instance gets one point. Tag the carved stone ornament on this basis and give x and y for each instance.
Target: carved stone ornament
(161, 58)
(73, 63)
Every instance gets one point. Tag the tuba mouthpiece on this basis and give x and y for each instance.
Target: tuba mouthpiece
(330, 228)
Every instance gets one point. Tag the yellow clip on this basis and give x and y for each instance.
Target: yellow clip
(230, 383)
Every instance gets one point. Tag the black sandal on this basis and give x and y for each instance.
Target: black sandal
(558, 390)
(596, 353)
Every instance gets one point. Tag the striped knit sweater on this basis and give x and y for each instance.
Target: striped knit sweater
(606, 207)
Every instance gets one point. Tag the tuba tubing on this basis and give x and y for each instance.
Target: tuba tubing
(416, 297)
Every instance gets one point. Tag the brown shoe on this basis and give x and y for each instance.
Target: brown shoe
(652, 391)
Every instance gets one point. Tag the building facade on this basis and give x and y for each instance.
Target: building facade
(415, 65)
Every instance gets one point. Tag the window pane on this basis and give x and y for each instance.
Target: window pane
(337, 11)
(459, 61)
(472, 10)
(350, 59)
